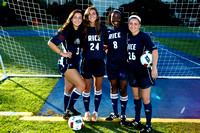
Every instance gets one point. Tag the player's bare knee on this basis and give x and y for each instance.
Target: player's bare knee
(82, 86)
(123, 90)
(68, 89)
(123, 93)
(137, 97)
(87, 89)
(146, 100)
(114, 90)
(97, 88)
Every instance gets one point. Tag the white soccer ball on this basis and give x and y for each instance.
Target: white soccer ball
(146, 59)
(76, 122)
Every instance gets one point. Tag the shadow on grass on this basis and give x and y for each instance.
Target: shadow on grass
(46, 102)
(102, 127)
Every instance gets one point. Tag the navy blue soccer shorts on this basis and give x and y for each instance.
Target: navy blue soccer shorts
(95, 67)
(138, 79)
(117, 70)
(65, 63)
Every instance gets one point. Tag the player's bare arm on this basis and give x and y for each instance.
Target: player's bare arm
(58, 51)
(154, 72)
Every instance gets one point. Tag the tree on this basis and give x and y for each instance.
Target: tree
(152, 12)
(61, 12)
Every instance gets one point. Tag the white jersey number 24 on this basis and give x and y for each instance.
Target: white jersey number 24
(93, 47)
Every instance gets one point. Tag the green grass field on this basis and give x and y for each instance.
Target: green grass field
(189, 46)
(167, 28)
(16, 93)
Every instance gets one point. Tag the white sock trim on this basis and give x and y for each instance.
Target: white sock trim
(85, 94)
(98, 92)
(114, 96)
(124, 98)
(67, 94)
(76, 91)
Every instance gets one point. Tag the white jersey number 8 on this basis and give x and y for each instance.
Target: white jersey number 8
(115, 44)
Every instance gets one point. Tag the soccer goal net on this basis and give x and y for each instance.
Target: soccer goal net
(172, 25)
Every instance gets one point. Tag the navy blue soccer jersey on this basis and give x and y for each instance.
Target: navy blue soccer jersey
(74, 48)
(94, 48)
(136, 46)
(117, 43)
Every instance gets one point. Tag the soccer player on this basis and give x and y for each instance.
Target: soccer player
(93, 63)
(117, 63)
(69, 35)
(141, 78)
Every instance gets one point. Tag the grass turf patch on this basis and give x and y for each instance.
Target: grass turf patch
(189, 46)
(167, 28)
(25, 94)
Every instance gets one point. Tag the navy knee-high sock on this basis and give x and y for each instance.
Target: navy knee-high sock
(148, 113)
(123, 101)
(66, 100)
(86, 100)
(73, 98)
(138, 105)
(114, 98)
(97, 99)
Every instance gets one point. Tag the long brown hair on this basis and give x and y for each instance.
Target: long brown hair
(68, 21)
(68, 25)
(86, 23)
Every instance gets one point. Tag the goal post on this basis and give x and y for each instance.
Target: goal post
(4, 75)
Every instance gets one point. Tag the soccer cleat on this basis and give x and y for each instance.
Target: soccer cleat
(123, 120)
(112, 116)
(65, 116)
(75, 111)
(95, 116)
(146, 129)
(135, 124)
(87, 116)
(72, 112)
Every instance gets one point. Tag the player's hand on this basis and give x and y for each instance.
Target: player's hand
(105, 47)
(154, 73)
(66, 54)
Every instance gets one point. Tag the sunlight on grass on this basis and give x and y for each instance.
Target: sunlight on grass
(25, 94)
